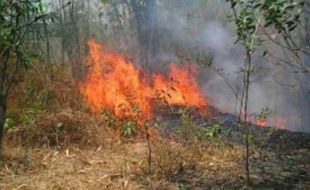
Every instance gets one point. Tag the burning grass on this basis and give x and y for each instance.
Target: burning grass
(116, 84)
(56, 142)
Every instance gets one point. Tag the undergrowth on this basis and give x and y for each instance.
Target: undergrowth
(49, 111)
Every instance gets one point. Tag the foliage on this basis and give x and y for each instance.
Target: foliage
(16, 19)
(213, 131)
(188, 128)
(247, 22)
(129, 128)
(264, 113)
(192, 132)
(14, 30)
(281, 16)
(105, 1)
(249, 16)
(9, 123)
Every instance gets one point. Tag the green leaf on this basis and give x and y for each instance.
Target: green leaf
(41, 7)
(105, 1)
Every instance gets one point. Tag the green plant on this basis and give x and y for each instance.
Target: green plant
(9, 123)
(16, 19)
(108, 118)
(128, 125)
(264, 113)
(129, 128)
(280, 16)
(188, 127)
(56, 130)
(29, 115)
(212, 131)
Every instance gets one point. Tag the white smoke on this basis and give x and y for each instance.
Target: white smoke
(212, 34)
(202, 26)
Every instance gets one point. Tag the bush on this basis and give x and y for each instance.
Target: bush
(58, 129)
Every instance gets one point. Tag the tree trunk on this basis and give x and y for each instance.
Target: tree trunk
(145, 22)
(305, 77)
(63, 32)
(48, 56)
(3, 108)
(75, 51)
(87, 29)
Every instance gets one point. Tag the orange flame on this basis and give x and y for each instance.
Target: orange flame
(114, 83)
(182, 90)
(276, 121)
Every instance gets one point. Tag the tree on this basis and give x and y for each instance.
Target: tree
(144, 21)
(16, 19)
(251, 16)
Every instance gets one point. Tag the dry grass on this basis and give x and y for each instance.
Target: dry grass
(50, 111)
(119, 166)
(198, 164)
(67, 148)
(60, 129)
(203, 165)
(71, 168)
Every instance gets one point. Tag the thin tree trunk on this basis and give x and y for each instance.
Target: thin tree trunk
(247, 88)
(63, 33)
(3, 109)
(48, 57)
(75, 51)
(87, 28)
(305, 77)
(149, 145)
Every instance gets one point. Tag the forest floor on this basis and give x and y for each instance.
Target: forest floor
(207, 164)
(52, 142)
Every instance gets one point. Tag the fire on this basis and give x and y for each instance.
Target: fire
(114, 83)
(181, 90)
(280, 122)
(261, 122)
(276, 121)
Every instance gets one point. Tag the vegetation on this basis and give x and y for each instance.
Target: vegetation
(16, 20)
(249, 16)
(145, 94)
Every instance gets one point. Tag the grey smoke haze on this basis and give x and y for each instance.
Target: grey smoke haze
(195, 27)
(212, 34)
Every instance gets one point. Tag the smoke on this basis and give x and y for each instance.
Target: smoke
(184, 29)
(207, 29)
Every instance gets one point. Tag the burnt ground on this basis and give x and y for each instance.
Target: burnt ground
(279, 160)
(264, 137)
